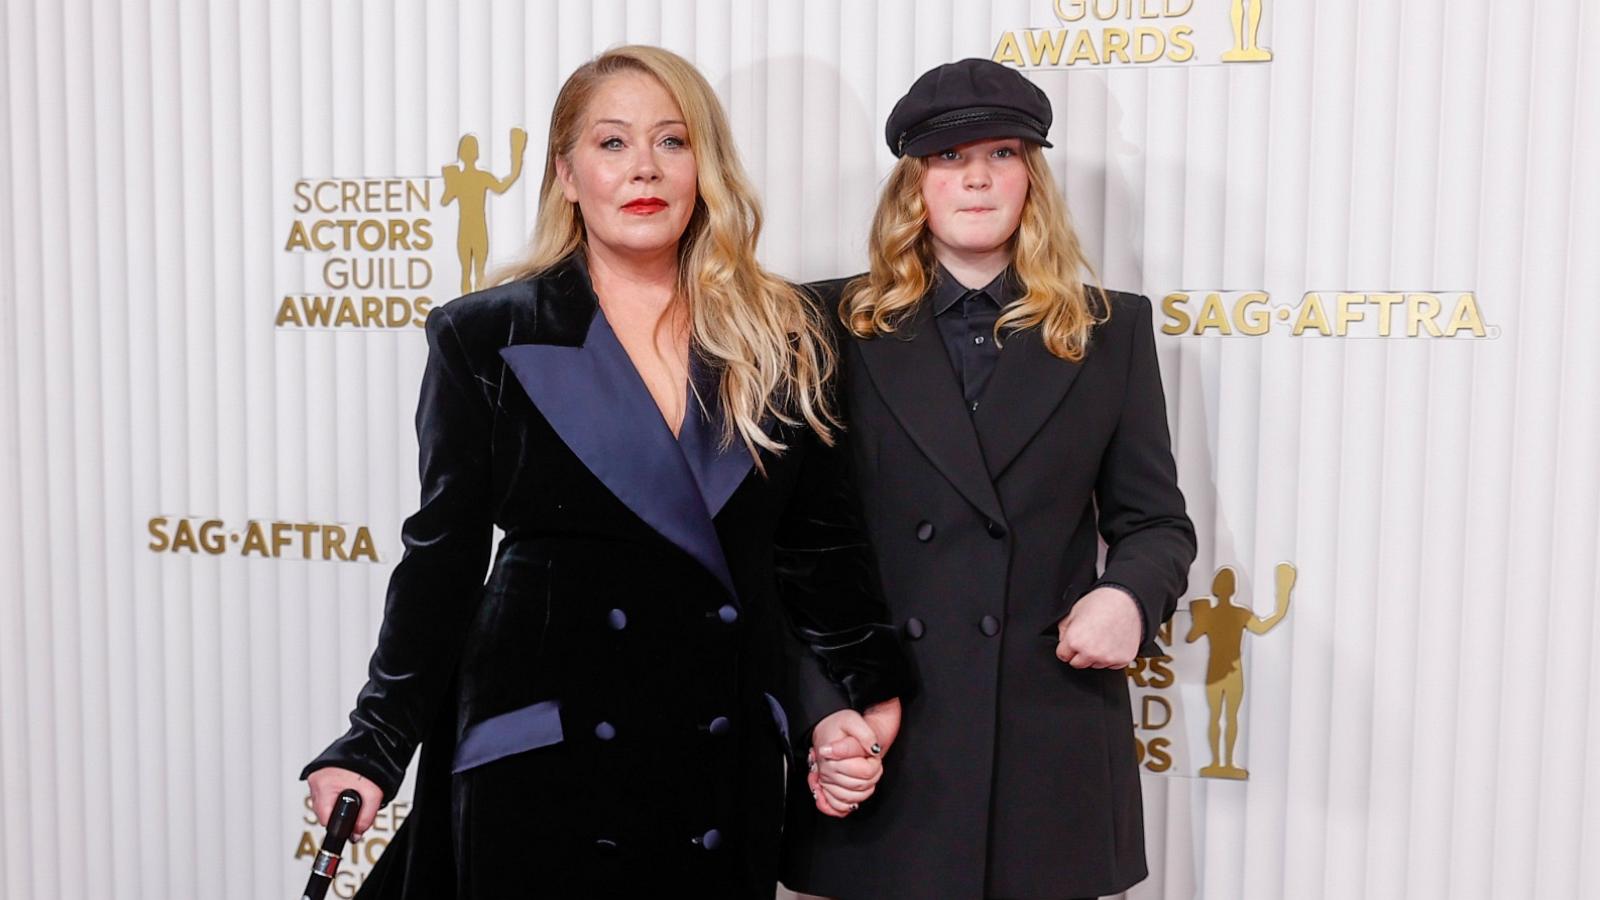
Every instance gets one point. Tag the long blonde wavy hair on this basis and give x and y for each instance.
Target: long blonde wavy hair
(1045, 256)
(769, 347)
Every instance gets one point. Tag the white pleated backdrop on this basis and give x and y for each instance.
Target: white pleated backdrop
(1425, 722)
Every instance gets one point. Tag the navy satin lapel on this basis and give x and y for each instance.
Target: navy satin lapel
(595, 400)
(719, 471)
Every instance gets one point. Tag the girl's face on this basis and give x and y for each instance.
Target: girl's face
(632, 171)
(974, 195)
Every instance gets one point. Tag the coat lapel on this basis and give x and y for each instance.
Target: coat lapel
(719, 471)
(1027, 386)
(912, 372)
(593, 397)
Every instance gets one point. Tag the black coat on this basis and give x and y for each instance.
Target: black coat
(1014, 775)
(612, 707)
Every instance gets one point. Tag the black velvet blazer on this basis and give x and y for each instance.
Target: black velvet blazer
(645, 587)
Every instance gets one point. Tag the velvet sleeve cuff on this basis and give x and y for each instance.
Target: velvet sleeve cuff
(867, 662)
(361, 752)
(856, 668)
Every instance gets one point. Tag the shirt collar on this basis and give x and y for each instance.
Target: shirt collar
(947, 290)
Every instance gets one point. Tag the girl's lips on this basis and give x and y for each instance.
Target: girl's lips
(645, 206)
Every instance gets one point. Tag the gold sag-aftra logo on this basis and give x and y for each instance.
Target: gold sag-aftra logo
(1187, 701)
(371, 246)
(1090, 33)
(1343, 314)
(198, 535)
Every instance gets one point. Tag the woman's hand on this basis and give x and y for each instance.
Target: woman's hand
(326, 784)
(846, 757)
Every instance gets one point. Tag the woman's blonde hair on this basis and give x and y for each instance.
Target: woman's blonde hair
(769, 346)
(1045, 257)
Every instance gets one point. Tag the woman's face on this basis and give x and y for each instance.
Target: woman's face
(631, 171)
(974, 195)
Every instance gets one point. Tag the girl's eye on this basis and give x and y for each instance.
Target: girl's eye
(1005, 152)
(950, 155)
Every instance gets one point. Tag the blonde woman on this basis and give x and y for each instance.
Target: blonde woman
(645, 414)
(1005, 417)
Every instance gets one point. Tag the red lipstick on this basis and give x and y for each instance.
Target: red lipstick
(644, 206)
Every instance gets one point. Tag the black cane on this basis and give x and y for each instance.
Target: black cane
(343, 819)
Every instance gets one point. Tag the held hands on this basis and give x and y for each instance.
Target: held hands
(1101, 632)
(846, 757)
(327, 783)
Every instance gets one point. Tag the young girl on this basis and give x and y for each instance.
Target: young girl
(1004, 416)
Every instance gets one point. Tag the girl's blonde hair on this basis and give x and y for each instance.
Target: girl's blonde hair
(1045, 257)
(768, 345)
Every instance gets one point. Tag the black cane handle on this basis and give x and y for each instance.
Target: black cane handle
(340, 823)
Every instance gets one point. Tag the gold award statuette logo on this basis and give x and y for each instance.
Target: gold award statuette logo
(1195, 683)
(374, 242)
(1223, 625)
(468, 186)
(1092, 33)
(1246, 33)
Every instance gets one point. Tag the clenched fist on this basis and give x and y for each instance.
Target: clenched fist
(1101, 632)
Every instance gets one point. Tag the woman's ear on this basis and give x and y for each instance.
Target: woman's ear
(564, 178)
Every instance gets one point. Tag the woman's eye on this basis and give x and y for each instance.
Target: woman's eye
(611, 143)
(674, 142)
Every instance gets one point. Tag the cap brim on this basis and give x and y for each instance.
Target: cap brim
(956, 135)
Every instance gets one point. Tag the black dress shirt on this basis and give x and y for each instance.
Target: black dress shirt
(966, 323)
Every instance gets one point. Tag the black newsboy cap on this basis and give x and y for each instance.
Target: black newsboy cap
(970, 100)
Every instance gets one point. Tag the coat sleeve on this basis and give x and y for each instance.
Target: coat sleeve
(847, 653)
(434, 590)
(1150, 540)
(844, 650)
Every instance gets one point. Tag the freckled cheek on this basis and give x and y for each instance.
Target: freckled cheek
(1016, 190)
(940, 202)
(940, 192)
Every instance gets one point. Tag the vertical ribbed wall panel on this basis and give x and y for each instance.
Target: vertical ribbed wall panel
(1570, 728)
(19, 151)
(1423, 723)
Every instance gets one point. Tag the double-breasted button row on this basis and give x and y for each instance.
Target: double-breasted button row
(710, 839)
(926, 530)
(727, 614)
(719, 726)
(915, 628)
